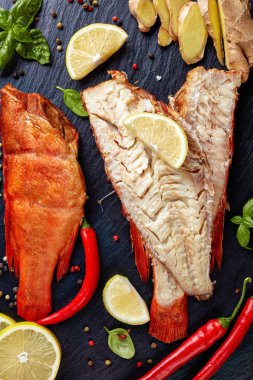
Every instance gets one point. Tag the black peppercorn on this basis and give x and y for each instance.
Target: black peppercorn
(1, 265)
(151, 55)
(6, 269)
(1, 273)
(15, 75)
(21, 73)
(54, 14)
(60, 25)
(119, 22)
(58, 41)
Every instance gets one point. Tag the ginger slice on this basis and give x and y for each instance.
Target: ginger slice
(192, 33)
(174, 7)
(164, 37)
(144, 12)
(237, 30)
(210, 12)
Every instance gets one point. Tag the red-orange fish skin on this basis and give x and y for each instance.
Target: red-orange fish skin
(44, 194)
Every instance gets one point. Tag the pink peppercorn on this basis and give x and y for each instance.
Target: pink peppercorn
(91, 343)
(80, 1)
(90, 9)
(70, 1)
(72, 269)
(77, 268)
(115, 237)
(139, 364)
(135, 66)
(115, 19)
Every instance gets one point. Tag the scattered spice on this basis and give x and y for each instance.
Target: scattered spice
(70, 1)
(95, 3)
(108, 362)
(14, 1)
(16, 297)
(90, 9)
(158, 78)
(139, 364)
(115, 237)
(12, 270)
(15, 289)
(1, 293)
(21, 73)
(149, 361)
(15, 304)
(1, 195)
(54, 14)
(72, 269)
(7, 297)
(119, 22)
(85, 6)
(1, 273)
(11, 304)
(15, 75)
(115, 19)
(237, 291)
(6, 269)
(80, 1)
(86, 329)
(36, 19)
(151, 55)
(90, 363)
(135, 66)
(153, 345)
(1, 265)
(60, 25)
(77, 268)
(58, 41)
(79, 281)
(122, 336)
(5, 259)
(59, 48)
(91, 343)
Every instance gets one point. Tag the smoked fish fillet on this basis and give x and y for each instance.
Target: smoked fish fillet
(44, 195)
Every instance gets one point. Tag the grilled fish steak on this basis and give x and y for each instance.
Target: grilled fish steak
(44, 194)
(207, 101)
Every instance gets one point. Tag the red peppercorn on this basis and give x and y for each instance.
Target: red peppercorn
(80, 1)
(91, 343)
(77, 268)
(90, 9)
(122, 336)
(72, 269)
(70, 1)
(115, 237)
(115, 19)
(135, 66)
(139, 364)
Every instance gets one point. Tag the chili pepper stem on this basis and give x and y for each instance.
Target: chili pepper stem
(225, 321)
(106, 329)
(85, 224)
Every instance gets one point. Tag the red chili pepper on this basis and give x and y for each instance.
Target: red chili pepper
(90, 281)
(235, 337)
(200, 341)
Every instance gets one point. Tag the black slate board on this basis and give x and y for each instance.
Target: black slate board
(117, 257)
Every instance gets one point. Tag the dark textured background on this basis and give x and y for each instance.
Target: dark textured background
(116, 257)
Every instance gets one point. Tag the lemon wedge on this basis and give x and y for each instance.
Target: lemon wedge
(5, 321)
(123, 302)
(28, 351)
(91, 46)
(161, 134)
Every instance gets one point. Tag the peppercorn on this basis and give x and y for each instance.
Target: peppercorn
(90, 363)
(90, 9)
(1, 195)
(115, 238)
(54, 14)
(85, 6)
(80, 1)
(149, 361)
(58, 41)
(115, 19)
(21, 73)
(36, 19)
(119, 22)
(77, 268)
(16, 297)
(72, 269)
(7, 297)
(1, 293)
(108, 362)
(95, 3)
(12, 269)
(14, 1)
(151, 55)
(59, 48)
(86, 329)
(79, 281)
(60, 25)
(11, 304)
(6, 269)
(15, 75)
(70, 1)
(5, 259)
(1, 273)
(139, 364)
(1, 265)
(135, 66)
(237, 291)
(91, 343)
(1, 166)
(15, 304)
(153, 345)
(0, 145)
(15, 289)
(122, 336)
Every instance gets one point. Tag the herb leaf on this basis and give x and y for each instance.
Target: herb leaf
(73, 101)
(236, 220)
(24, 11)
(121, 347)
(6, 48)
(248, 208)
(20, 34)
(243, 235)
(5, 19)
(247, 222)
(37, 50)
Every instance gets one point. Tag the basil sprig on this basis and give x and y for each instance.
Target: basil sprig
(15, 35)
(245, 222)
(121, 343)
(73, 101)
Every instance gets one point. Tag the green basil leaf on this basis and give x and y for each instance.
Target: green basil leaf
(3, 35)
(6, 49)
(121, 347)
(24, 11)
(73, 101)
(248, 208)
(20, 34)
(247, 222)
(236, 220)
(37, 50)
(5, 19)
(243, 235)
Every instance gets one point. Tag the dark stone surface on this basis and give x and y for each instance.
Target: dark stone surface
(116, 257)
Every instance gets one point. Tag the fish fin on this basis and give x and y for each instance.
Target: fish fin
(65, 255)
(168, 316)
(141, 254)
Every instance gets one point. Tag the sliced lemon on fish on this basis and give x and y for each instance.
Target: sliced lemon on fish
(5, 321)
(161, 134)
(123, 302)
(28, 351)
(91, 46)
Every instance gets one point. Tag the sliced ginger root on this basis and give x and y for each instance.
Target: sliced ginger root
(144, 12)
(210, 12)
(174, 7)
(192, 33)
(164, 37)
(237, 30)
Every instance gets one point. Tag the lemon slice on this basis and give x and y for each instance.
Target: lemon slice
(5, 321)
(123, 302)
(161, 134)
(91, 46)
(28, 351)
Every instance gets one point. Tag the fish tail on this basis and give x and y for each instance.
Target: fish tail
(142, 259)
